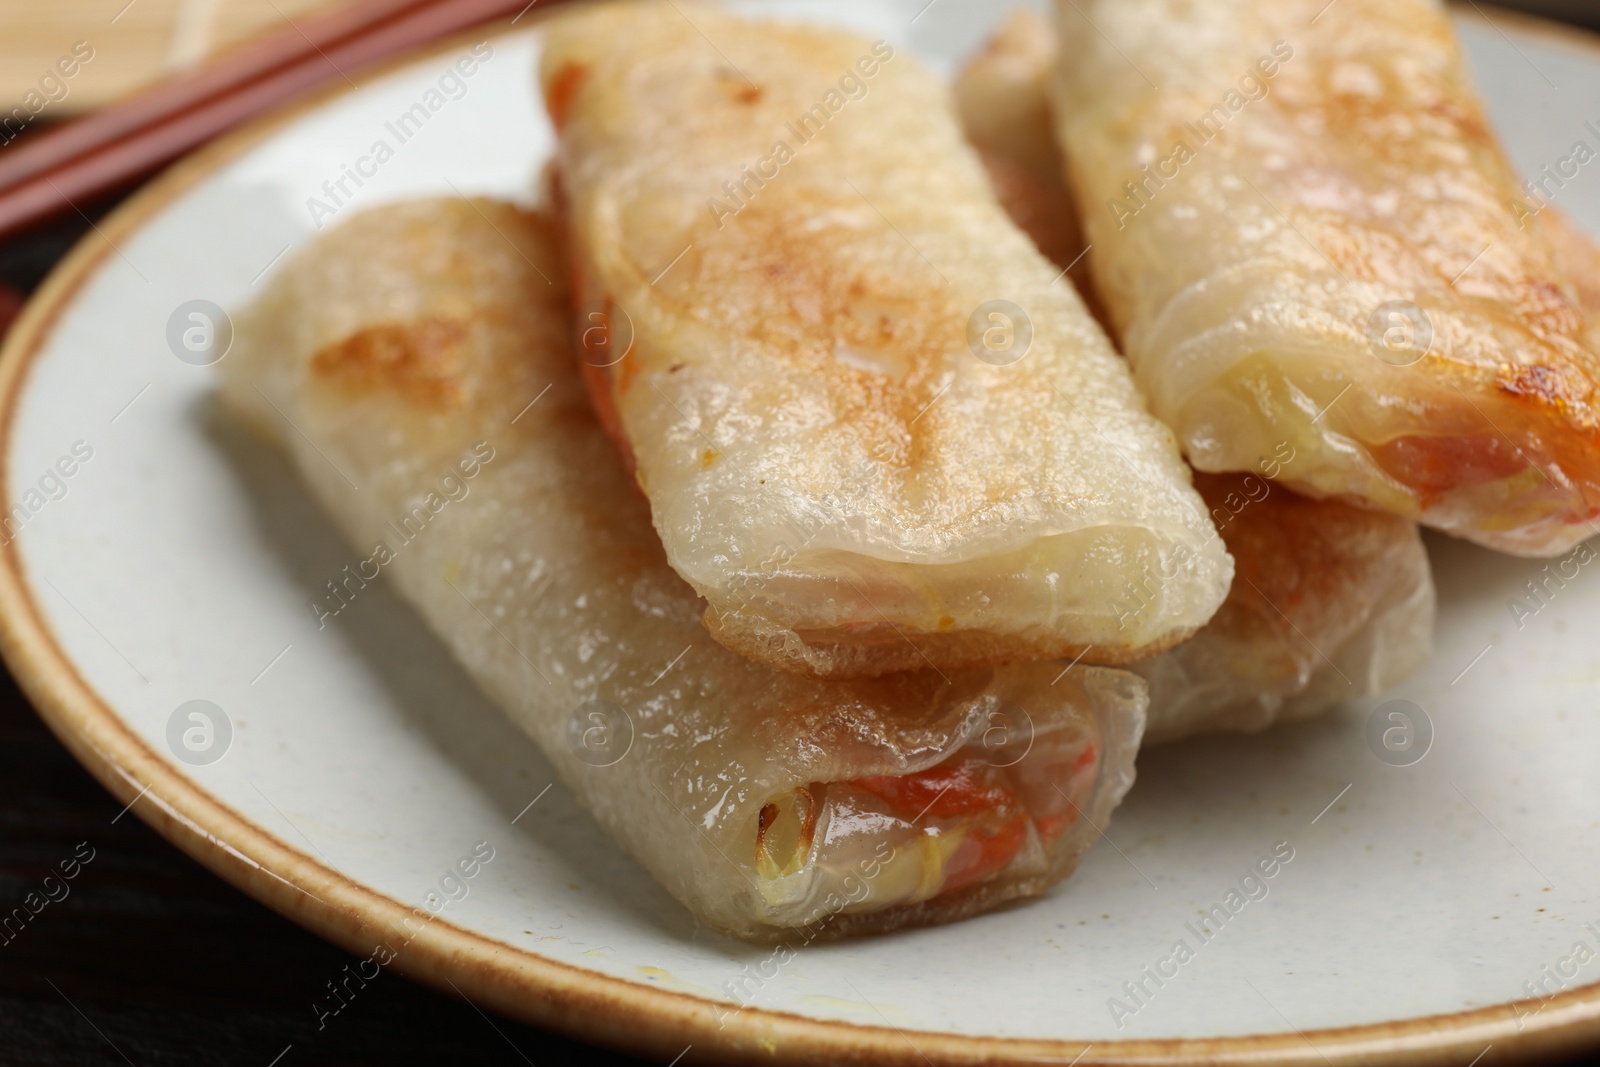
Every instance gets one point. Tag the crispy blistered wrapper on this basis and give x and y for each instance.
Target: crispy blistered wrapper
(1329, 602)
(875, 431)
(420, 351)
(1305, 231)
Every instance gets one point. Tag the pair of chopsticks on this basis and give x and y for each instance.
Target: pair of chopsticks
(53, 172)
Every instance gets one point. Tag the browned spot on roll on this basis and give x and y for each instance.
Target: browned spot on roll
(420, 361)
(563, 87)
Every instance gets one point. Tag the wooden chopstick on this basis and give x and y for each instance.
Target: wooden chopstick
(251, 60)
(120, 149)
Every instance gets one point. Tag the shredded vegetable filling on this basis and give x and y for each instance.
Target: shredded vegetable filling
(903, 839)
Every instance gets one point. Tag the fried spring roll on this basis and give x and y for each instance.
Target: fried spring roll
(1003, 98)
(1304, 231)
(1329, 602)
(420, 352)
(876, 432)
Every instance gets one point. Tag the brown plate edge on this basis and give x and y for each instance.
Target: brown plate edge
(607, 1011)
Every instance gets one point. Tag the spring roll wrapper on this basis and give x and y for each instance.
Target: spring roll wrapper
(801, 379)
(1354, 228)
(1329, 602)
(1002, 94)
(408, 343)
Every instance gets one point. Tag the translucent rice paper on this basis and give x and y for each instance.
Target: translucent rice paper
(1305, 233)
(419, 352)
(877, 430)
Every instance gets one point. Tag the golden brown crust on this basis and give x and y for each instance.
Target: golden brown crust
(541, 571)
(1330, 602)
(1305, 557)
(419, 360)
(1309, 574)
(837, 457)
(562, 87)
(1303, 190)
(816, 296)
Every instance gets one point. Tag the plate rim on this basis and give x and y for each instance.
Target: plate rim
(520, 983)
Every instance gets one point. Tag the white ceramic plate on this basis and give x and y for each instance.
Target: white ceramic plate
(180, 560)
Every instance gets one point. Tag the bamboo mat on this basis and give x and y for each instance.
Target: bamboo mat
(130, 44)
